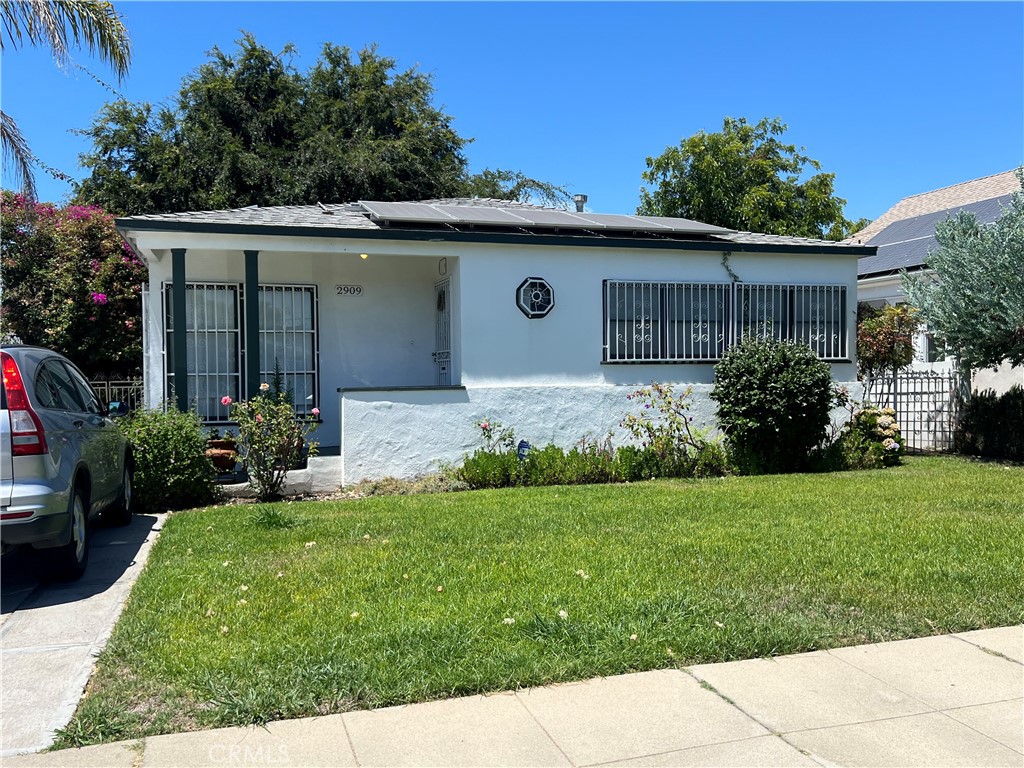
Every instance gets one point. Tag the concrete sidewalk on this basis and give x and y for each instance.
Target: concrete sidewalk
(944, 700)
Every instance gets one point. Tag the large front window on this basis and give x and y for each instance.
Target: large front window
(661, 322)
(215, 343)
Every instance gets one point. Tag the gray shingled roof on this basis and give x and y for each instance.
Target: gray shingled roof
(335, 216)
(350, 216)
(905, 243)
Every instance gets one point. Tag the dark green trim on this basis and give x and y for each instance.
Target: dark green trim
(502, 238)
(178, 332)
(343, 390)
(252, 323)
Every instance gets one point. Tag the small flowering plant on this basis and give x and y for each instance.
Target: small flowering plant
(872, 438)
(497, 438)
(270, 439)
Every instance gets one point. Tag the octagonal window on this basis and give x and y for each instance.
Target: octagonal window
(534, 297)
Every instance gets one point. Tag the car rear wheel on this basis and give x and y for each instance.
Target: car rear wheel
(121, 510)
(70, 561)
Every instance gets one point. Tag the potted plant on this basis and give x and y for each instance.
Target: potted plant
(222, 451)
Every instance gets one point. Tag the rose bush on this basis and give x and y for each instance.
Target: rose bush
(271, 440)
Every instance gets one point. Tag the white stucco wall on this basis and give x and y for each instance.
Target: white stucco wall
(501, 346)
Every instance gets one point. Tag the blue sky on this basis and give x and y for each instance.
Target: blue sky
(894, 98)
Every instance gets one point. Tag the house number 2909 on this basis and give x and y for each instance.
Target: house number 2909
(349, 290)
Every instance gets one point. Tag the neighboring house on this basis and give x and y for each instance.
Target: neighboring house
(406, 323)
(905, 234)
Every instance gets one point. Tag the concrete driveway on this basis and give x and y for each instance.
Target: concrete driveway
(50, 634)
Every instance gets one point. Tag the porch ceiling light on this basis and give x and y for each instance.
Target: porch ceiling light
(535, 297)
(364, 255)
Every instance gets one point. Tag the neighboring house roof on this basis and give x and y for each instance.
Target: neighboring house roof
(355, 220)
(905, 233)
(905, 244)
(985, 188)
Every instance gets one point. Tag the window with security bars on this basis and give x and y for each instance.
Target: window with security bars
(696, 322)
(288, 340)
(215, 343)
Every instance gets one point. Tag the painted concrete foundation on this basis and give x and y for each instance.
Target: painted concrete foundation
(404, 433)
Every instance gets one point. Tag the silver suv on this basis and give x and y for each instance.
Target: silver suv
(62, 459)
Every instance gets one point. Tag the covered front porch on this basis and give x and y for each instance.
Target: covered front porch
(223, 321)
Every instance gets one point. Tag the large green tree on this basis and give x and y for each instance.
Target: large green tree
(248, 128)
(59, 25)
(972, 295)
(744, 177)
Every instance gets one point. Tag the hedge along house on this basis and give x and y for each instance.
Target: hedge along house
(407, 323)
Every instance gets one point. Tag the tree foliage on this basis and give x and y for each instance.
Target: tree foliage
(514, 185)
(972, 297)
(744, 177)
(247, 128)
(71, 284)
(58, 25)
(885, 338)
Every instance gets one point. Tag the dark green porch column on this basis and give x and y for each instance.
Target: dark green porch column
(178, 332)
(252, 323)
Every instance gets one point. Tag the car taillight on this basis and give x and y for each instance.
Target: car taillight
(27, 437)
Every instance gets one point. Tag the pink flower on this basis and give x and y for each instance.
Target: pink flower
(225, 400)
(316, 411)
(485, 425)
(99, 298)
(259, 419)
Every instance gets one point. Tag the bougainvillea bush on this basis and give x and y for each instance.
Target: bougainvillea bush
(71, 284)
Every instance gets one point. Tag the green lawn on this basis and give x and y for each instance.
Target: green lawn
(402, 599)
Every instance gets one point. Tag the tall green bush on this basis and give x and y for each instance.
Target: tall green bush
(992, 425)
(774, 399)
(171, 467)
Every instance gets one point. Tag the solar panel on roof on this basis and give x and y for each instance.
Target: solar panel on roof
(466, 214)
(685, 225)
(621, 221)
(550, 218)
(532, 217)
(407, 212)
(924, 225)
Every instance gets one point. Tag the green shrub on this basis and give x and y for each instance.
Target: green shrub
(544, 466)
(171, 467)
(871, 439)
(992, 426)
(633, 463)
(485, 469)
(588, 463)
(774, 399)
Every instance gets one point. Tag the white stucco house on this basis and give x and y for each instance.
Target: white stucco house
(904, 235)
(406, 323)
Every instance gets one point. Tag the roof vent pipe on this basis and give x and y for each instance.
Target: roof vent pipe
(580, 201)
